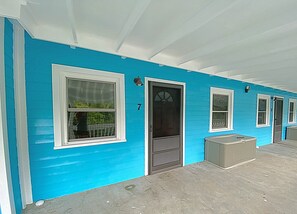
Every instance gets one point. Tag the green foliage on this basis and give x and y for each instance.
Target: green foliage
(80, 104)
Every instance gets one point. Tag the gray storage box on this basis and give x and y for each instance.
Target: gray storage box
(292, 133)
(230, 150)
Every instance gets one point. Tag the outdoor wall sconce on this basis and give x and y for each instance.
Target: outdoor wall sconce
(138, 81)
(247, 89)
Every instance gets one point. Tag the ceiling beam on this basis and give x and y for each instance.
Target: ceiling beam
(209, 13)
(71, 17)
(133, 19)
(262, 31)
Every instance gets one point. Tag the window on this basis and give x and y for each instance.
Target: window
(221, 109)
(88, 107)
(292, 111)
(263, 110)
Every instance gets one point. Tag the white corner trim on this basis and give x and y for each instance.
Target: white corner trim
(294, 111)
(146, 113)
(21, 114)
(223, 91)
(267, 98)
(6, 193)
(60, 73)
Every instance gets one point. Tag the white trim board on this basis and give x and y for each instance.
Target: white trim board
(146, 110)
(6, 193)
(21, 113)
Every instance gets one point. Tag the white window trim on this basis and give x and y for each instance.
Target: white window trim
(230, 94)
(266, 97)
(294, 115)
(59, 75)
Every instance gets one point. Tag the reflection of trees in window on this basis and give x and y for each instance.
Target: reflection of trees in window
(91, 109)
(163, 96)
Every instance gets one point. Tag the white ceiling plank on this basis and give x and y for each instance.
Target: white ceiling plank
(244, 56)
(259, 67)
(285, 57)
(133, 19)
(71, 17)
(250, 35)
(212, 11)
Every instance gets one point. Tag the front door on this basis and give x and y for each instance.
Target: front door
(278, 119)
(165, 126)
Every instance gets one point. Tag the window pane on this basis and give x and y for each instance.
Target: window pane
(262, 104)
(220, 102)
(291, 106)
(89, 94)
(261, 118)
(291, 117)
(91, 124)
(219, 120)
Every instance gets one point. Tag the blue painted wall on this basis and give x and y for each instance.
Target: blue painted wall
(10, 111)
(61, 172)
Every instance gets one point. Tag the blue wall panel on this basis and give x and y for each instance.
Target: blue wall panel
(60, 172)
(10, 111)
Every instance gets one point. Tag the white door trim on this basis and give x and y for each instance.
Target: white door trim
(21, 113)
(6, 193)
(273, 109)
(146, 113)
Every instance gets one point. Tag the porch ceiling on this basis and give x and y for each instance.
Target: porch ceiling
(253, 41)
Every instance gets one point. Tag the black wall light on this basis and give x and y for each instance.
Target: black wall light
(138, 81)
(247, 89)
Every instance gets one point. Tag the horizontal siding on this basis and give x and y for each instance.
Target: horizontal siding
(61, 172)
(10, 111)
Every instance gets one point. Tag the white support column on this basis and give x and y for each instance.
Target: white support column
(21, 113)
(6, 190)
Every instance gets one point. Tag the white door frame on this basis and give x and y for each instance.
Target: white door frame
(146, 113)
(273, 108)
(6, 193)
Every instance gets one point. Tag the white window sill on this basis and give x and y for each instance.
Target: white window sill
(220, 130)
(290, 123)
(84, 143)
(262, 126)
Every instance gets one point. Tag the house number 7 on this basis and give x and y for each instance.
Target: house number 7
(139, 106)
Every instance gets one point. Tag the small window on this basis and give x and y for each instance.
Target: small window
(292, 111)
(263, 113)
(221, 110)
(88, 107)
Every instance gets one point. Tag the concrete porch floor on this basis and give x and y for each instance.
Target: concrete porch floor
(266, 185)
